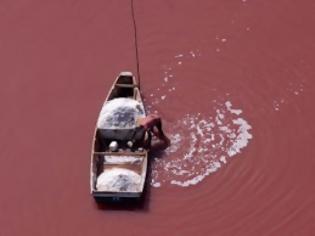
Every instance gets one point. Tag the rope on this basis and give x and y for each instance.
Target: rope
(135, 40)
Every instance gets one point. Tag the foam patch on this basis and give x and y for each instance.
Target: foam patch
(201, 145)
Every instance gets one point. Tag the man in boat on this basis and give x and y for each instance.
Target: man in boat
(151, 124)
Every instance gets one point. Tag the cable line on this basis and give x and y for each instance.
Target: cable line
(135, 40)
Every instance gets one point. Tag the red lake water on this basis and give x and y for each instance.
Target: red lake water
(232, 80)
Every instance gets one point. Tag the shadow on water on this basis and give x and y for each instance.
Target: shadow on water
(141, 204)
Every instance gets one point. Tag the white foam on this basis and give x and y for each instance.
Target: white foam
(292, 88)
(176, 140)
(223, 159)
(228, 105)
(201, 146)
(276, 105)
(242, 138)
(179, 55)
(198, 178)
(156, 185)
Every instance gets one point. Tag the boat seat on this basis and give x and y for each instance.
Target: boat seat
(116, 134)
(126, 85)
(122, 136)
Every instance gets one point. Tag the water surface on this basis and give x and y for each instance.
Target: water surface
(204, 66)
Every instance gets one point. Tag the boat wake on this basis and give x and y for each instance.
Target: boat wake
(201, 145)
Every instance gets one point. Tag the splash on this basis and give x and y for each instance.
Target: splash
(201, 145)
(293, 88)
(168, 76)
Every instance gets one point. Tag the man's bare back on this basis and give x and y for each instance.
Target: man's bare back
(153, 123)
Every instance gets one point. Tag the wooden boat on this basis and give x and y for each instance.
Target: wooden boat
(132, 160)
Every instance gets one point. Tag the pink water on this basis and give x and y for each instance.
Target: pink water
(58, 60)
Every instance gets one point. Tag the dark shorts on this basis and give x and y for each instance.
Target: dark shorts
(139, 134)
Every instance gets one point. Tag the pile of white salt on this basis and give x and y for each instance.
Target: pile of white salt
(120, 113)
(118, 180)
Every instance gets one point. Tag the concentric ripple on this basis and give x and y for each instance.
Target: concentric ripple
(201, 144)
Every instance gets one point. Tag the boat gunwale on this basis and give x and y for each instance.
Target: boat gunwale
(144, 153)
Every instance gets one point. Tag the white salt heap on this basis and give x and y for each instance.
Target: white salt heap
(118, 179)
(120, 113)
